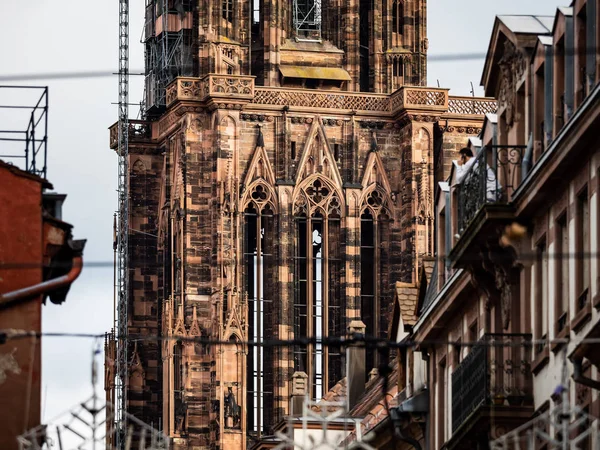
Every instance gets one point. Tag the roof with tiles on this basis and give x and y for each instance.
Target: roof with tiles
(337, 394)
(372, 405)
(432, 289)
(407, 295)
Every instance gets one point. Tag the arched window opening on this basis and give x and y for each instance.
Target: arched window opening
(260, 273)
(374, 274)
(395, 17)
(318, 308)
(399, 19)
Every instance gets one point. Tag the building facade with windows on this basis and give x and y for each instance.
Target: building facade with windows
(516, 244)
(281, 184)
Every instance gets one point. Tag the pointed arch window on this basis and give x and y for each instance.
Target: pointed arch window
(259, 278)
(374, 274)
(318, 303)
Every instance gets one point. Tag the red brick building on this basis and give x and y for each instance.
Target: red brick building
(38, 260)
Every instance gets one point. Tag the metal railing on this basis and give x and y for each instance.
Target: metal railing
(25, 146)
(491, 179)
(496, 372)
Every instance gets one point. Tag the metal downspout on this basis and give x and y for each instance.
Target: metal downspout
(20, 295)
(579, 378)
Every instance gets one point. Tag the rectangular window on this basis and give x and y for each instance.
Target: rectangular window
(562, 272)
(442, 413)
(559, 85)
(582, 260)
(541, 293)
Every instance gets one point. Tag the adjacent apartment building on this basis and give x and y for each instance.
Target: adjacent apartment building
(516, 256)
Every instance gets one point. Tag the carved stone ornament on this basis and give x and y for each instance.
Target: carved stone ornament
(512, 66)
(504, 287)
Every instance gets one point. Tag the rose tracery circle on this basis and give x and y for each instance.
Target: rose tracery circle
(319, 197)
(377, 203)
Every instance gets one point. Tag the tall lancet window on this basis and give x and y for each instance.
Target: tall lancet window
(260, 279)
(318, 308)
(374, 275)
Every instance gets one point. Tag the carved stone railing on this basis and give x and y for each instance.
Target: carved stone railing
(304, 98)
(406, 97)
(420, 98)
(495, 373)
(139, 131)
(471, 105)
(222, 86)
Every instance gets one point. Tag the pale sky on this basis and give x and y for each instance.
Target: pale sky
(81, 35)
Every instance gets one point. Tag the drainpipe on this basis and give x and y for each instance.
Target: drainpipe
(578, 376)
(20, 295)
(399, 432)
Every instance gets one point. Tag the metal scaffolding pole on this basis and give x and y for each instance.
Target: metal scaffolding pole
(122, 244)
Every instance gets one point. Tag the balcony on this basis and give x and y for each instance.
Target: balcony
(492, 386)
(140, 131)
(482, 199)
(217, 87)
(491, 186)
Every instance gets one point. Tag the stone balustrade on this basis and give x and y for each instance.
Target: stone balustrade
(217, 86)
(472, 105)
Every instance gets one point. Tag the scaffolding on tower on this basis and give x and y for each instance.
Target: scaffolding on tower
(122, 229)
(169, 48)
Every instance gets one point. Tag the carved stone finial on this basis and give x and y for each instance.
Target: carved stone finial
(299, 383)
(357, 326)
(374, 373)
(260, 140)
(373, 141)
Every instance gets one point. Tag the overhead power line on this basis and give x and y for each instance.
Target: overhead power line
(447, 57)
(501, 340)
(529, 256)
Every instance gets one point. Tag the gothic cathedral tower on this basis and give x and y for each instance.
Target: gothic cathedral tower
(281, 184)
(352, 45)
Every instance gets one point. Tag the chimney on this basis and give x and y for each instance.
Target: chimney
(299, 391)
(355, 369)
(374, 373)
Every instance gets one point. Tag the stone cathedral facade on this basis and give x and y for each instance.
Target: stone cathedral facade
(282, 189)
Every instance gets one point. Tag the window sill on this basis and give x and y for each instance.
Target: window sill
(541, 360)
(556, 346)
(582, 317)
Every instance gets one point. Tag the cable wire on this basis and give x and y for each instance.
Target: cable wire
(441, 57)
(352, 340)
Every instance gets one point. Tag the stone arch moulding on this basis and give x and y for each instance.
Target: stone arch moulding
(375, 173)
(317, 157)
(260, 168)
(138, 166)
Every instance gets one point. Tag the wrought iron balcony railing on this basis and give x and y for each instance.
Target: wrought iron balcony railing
(496, 373)
(491, 179)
